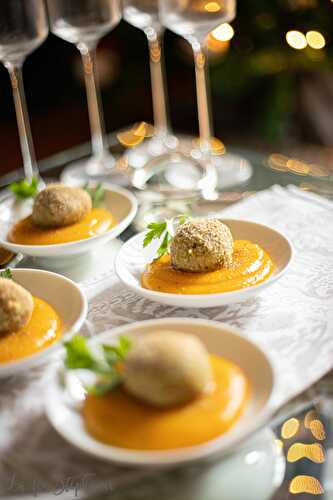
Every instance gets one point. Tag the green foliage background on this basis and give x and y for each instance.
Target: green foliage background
(261, 66)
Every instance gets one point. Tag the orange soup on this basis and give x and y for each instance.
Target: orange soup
(97, 221)
(118, 419)
(251, 266)
(43, 329)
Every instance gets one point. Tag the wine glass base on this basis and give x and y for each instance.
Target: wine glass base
(156, 174)
(150, 149)
(83, 171)
(232, 170)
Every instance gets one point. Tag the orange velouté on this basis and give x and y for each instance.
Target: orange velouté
(96, 222)
(44, 328)
(119, 419)
(251, 265)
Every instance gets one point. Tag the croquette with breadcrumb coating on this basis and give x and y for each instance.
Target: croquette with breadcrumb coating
(16, 306)
(167, 368)
(201, 246)
(58, 206)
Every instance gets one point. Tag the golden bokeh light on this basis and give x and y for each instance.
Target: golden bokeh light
(282, 163)
(278, 162)
(134, 136)
(290, 428)
(212, 7)
(296, 40)
(318, 170)
(317, 429)
(217, 146)
(215, 47)
(311, 415)
(298, 167)
(314, 452)
(315, 40)
(306, 484)
(223, 33)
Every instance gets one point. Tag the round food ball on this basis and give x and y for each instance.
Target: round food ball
(58, 205)
(167, 368)
(202, 246)
(16, 306)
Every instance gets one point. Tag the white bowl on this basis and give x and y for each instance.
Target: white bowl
(67, 299)
(220, 339)
(131, 262)
(119, 201)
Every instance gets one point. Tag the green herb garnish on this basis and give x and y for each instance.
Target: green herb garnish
(104, 362)
(24, 190)
(7, 274)
(162, 231)
(96, 194)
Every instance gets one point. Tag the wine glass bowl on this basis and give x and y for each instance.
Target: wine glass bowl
(163, 150)
(84, 21)
(23, 27)
(143, 14)
(194, 19)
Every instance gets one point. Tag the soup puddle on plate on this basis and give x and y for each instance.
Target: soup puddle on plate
(118, 419)
(96, 222)
(251, 266)
(44, 328)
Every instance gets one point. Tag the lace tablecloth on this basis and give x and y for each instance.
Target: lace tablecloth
(292, 320)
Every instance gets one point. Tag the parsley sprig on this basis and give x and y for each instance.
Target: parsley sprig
(24, 189)
(163, 231)
(104, 362)
(6, 274)
(96, 194)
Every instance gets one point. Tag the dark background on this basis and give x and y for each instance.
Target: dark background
(266, 94)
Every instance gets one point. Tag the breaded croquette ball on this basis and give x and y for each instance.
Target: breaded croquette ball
(58, 205)
(16, 306)
(202, 246)
(167, 368)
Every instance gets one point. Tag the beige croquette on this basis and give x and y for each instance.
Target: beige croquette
(166, 368)
(202, 246)
(58, 205)
(16, 306)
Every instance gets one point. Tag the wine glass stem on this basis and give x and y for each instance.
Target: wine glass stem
(98, 139)
(203, 98)
(158, 84)
(27, 147)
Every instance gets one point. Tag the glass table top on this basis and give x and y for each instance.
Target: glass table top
(293, 458)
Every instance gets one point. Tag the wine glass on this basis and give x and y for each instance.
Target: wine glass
(83, 23)
(194, 20)
(23, 27)
(143, 14)
(160, 158)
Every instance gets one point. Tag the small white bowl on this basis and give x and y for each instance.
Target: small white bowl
(220, 339)
(131, 262)
(67, 299)
(119, 201)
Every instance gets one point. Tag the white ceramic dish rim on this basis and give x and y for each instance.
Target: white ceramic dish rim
(25, 363)
(169, 457)
(117, 229)
(150, 294)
